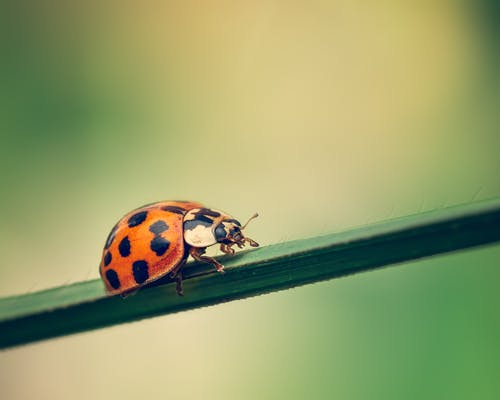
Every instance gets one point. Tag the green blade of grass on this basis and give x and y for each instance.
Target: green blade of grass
(84, 306)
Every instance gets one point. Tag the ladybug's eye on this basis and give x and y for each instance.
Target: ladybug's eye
(234, 231)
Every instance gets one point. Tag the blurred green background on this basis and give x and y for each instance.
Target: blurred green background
(319, 115)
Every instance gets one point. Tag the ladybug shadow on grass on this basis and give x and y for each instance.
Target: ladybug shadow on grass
(192, 270)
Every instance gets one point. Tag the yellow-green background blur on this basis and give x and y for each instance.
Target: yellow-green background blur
(321, 116)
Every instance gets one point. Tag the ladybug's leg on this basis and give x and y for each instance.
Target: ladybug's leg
(251, 242)
(197, 254)
(178, 284)
(226, 249)
(177, 274)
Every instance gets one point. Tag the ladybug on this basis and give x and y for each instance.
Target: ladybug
(156, 239)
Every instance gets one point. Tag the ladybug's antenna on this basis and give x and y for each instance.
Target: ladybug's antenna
(249, 219)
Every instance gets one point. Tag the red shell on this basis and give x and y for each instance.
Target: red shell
(144, 245)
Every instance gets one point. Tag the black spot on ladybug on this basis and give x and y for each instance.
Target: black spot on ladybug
(174, 209)
(199, 220)
(158, 227)
(220, 232)
(207, 212)
(137, 219)
(159, 245)
(124, 247)
(111, 236)
(140, 271)
(107, 258)
(112, 278)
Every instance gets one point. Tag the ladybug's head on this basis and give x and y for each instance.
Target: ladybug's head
(205, 227)
(229, 231)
